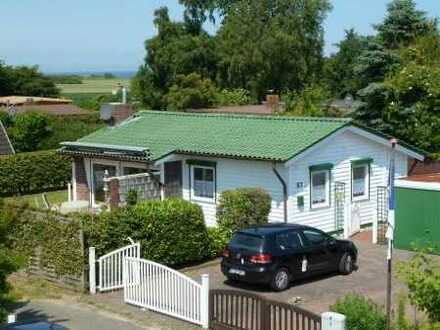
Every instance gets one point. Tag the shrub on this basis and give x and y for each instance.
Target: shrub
(237, 96)
(30, 172)
(422, 276)
(28, 131)
(243, 207)
(361, 312)
(132, 198)
(171, 232)
(218, 238)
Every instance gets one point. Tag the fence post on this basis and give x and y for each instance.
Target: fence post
(204, 301)
(333, 321)
(375, 226)
(92, 270)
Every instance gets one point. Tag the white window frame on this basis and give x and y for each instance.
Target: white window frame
(104, 162)
(366, 196)
(198, 198)
(327, 189)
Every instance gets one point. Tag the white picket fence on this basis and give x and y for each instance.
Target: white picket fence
(150, 285)
(110, 267)
(159, 288)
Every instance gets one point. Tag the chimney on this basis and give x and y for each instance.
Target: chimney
(114, 113)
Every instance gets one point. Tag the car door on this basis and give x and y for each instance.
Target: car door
(291, 247)
(320, 249)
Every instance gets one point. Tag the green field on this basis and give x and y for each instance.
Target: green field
(94, 85)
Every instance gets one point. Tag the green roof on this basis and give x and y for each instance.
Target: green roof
(223, 135)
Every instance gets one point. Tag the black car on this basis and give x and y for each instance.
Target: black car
(276, 254)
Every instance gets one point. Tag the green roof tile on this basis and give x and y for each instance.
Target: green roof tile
(237, 136)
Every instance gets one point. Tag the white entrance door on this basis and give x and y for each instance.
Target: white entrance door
(355, 219)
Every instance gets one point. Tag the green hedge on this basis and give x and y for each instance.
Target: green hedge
(57, 240)
(171, 232)
(31, 172)
(243, 207)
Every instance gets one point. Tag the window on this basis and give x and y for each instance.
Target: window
(289, 241)
(319, 188)
(133, 170)
(315, 237)
(360, 182)
(203, 182)
(247, 242)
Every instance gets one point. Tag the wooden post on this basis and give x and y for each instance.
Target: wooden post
(92, 270)
(204, 301)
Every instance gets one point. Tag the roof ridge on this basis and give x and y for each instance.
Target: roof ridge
(247, 116)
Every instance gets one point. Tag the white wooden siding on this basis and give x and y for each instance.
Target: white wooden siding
(232, 174)
(340, 152)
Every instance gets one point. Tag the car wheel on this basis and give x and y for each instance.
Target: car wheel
(346, 264)
(280, 280)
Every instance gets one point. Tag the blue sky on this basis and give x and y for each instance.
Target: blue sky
(100, 35)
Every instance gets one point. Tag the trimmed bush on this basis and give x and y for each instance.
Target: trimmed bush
(242, 208)
(218, 238)
(171, 232)
(361, 312)
(31, 172)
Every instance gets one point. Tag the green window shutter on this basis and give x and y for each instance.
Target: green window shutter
(201, 162)
(321, 167)
(363, 161)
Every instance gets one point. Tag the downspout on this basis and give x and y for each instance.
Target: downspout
(285, 195)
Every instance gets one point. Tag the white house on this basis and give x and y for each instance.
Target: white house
(319, 171)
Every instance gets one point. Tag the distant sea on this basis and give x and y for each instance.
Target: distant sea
(119, 74)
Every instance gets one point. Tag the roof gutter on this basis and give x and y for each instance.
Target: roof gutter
(285, 195)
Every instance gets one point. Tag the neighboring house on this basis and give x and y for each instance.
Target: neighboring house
(52, 106)
(6, 147)
(320, 172)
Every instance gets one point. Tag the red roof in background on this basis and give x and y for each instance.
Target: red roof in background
(51, 109)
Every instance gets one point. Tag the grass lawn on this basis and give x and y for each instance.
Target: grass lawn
(36, 200)
(94, 85)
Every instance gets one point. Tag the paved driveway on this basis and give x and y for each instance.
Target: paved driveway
(319, 293)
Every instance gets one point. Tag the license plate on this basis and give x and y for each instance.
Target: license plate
(237, 271)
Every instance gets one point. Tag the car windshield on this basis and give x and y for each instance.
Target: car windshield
(248, 242)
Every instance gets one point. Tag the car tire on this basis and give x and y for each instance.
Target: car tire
(346, 264)
(280, 280)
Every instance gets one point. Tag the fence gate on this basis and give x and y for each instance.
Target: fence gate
(154, 286)
(382, 214)
(230, 309)
(110, 274)
(339, 205)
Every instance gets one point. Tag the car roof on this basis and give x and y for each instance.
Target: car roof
(271, 228)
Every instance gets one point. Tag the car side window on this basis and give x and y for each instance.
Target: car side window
(290, 240)
(314, 237)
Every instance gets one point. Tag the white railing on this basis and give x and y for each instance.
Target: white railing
(110, 267)
(154, 286)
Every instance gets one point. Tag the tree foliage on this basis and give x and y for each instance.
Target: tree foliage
(179, 48)
(266, 45)
(260, 45)
(191, 92)
(402, 24)
(339, 69)
(422, 276)
(26, 81)
(29, 130)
